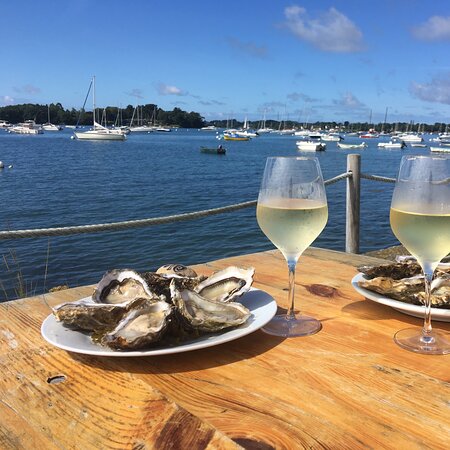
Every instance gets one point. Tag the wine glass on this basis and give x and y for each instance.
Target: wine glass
(420, 218)
(292, 211)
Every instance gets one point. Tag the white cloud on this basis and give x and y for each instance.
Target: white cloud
(436, 91)
(331, 32)
(6, 100)
(165, 89)
(436, 28)
(349, 101)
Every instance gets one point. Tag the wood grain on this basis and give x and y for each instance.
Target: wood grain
(349, 386)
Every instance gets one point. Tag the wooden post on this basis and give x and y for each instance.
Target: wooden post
(353, 204)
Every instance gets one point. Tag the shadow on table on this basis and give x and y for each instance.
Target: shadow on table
(227, 353)
(245, 347)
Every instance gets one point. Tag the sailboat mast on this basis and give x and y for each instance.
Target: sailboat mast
(93, 98)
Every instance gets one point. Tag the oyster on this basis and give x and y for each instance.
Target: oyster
(140, 327)
(407, 268)
(206, 315)
(87, 315)
(176, 271)
(411, 290)
(118, 286)
(226, 285)
(118, 292)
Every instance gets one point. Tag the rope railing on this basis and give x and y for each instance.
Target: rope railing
(139, 223)
(128, 224)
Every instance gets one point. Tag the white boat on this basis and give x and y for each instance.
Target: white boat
(410, 137)
(99, 132)
(311, 146)
(48, 126)
(331, 137)
(390, 144)
(27, 127)
(418, 144)
(351, 146)
(209, 128)
(245, 131)
(4, 124)
(162, 129)
(439, 150)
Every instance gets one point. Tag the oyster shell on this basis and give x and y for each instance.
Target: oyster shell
(87, 315)
(160, 285)
(205, 315)
(119, 286)
(140, 327)
(118, 292)
(176, 271)
(226, 285)
(411, 290)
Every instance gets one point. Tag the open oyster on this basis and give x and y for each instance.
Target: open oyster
(118, 286)
(404, 282)
(176, 271)
(202, 314)
(118, 292)
(226, 285)
(140, 327)
(87, 315)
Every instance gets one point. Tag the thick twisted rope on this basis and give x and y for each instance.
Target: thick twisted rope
(117, 226)
(377, 178)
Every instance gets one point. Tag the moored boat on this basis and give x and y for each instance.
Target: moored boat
(99, 132)
(311, 146)
(235, 137)
(351, 146)
(439, 150)
(390, 144)
(214, 150)
(27, 127)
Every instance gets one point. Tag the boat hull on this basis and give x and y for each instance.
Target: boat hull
(87, 136)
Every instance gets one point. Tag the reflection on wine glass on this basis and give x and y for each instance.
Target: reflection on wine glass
(420, 218)
(292, 211)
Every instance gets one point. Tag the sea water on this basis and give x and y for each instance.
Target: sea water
(56, 181)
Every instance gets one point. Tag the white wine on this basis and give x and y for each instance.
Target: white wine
(292, 224)
(426, 236)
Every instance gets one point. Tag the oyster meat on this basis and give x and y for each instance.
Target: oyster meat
(226, 285)
(140, 327)
(404, 282)
(206, 315)
(118, 286)
(118, 292)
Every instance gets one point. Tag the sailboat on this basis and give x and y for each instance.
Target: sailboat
(48, 126)
(99, 132)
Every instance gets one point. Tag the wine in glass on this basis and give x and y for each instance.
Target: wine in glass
(420, 219)
(292, 211)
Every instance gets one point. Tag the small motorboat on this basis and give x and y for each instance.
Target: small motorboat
(351, 146)
(390, 144)
(235, 137)
(311, 146)
(439, 150)
(214, 150)
(418, 145)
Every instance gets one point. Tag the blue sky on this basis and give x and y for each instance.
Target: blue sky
(305, 60)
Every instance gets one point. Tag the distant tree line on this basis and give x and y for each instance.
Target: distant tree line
(151, 114)
(341, 126)
(141, 114)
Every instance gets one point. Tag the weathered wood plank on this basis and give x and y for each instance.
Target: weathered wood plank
(349, 386)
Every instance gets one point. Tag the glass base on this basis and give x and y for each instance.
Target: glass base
(412, 339)
(285, 326)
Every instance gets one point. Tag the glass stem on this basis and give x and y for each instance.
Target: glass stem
(291, 295)
(428, 271)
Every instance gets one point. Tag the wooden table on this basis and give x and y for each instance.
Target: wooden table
(349, 386)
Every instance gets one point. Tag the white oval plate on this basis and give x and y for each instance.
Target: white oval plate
(262, 306)
(439, 314)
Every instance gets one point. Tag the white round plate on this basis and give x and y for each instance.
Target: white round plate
(439, 314)
(262, 306)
